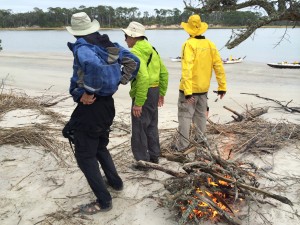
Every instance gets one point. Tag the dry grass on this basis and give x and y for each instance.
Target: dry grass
(45, 134)
(13, 101)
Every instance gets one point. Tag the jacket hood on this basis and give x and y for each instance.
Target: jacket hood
(98, 39)
(144, 48)
(94, 39)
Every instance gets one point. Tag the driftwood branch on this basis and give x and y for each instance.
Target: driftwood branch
(249, 114)
(285, 107)
(239, 117)
(254, 189)
(54, 103)
(161, 168)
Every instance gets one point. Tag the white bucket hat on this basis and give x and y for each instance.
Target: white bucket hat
(82, 25)
(135, 29)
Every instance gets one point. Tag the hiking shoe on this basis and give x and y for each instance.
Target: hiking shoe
(154, 160)
(139, 168)
(116, 188)
(94, 207)
(113, 186)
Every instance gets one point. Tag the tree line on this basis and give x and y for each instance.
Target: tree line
(110, 17)
(220, 14)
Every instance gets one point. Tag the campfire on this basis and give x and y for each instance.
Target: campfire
(213, 186)
(209, 200)
(200, 197)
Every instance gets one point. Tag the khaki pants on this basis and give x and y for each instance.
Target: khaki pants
(188, 113)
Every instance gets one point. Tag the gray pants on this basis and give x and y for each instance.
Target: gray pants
(145, 138)
(188, 113)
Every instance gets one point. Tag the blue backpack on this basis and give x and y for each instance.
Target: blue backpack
(100, 71)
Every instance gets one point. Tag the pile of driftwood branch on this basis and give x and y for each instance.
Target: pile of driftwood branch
(213, 185)
(212, 188)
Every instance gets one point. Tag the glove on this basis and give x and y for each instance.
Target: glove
(221, 92)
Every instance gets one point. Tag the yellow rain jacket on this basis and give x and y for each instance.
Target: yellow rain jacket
(199, 58)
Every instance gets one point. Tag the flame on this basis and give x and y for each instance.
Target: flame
(224, 183)
(203, 204)
(221, 182)
(203, 209)
(209, 180)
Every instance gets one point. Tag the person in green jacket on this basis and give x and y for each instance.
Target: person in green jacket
(147, 92)
(199, 58)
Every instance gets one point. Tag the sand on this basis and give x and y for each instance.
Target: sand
(33, 185)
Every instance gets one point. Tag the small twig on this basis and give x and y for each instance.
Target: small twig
(21, 180)
(54, 103)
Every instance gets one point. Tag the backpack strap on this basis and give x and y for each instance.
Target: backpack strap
(149, 60)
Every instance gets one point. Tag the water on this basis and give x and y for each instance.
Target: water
(258, 48)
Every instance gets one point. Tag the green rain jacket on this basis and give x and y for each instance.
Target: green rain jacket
(154, 74)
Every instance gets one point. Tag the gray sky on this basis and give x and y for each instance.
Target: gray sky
(18, 6)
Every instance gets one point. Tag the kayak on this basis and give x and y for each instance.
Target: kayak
(232, 61)
(285, 65)
(177, 59)
(225, 61)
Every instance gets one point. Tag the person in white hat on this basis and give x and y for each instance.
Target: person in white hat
(147, 93)
(199, 58)
(95, 110)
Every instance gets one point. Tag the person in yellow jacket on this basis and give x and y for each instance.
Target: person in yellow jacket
(147, 92)
(199, 58)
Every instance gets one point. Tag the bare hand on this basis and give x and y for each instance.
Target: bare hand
(221, 95)
(190, 100)
(87, 99)
(161, 101)
(137, 111)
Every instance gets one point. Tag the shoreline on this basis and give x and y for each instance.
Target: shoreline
(40, 71)
(150, 27)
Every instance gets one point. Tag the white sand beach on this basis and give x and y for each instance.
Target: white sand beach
(34, 186)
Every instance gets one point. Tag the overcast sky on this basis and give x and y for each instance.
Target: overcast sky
(18, 6)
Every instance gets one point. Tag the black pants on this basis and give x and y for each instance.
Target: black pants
(91, 123)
